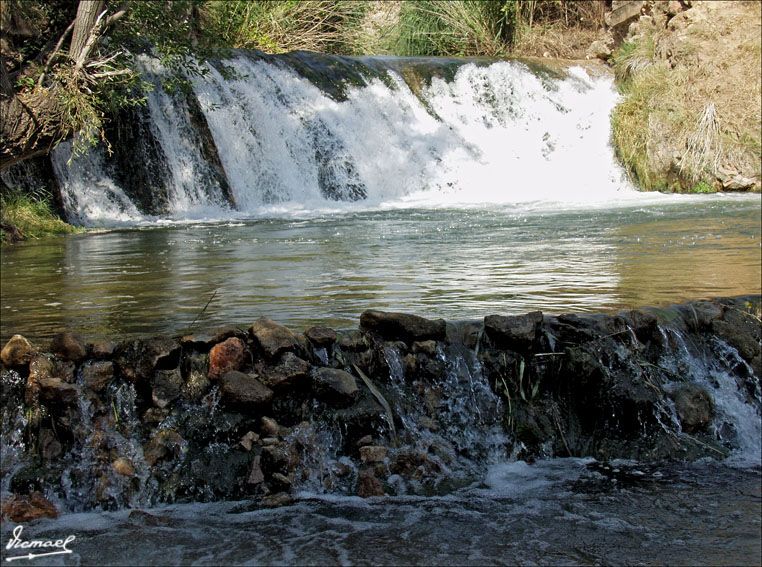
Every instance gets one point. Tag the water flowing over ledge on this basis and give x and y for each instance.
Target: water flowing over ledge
(301, 132)
(402, 406)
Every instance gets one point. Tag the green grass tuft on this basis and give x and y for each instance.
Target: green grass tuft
(31, 214)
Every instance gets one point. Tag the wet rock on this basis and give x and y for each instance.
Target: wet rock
(226, 356)
(701, 314)
(197, 382)
(50, 447)
(365, 440)
(40, 367)
(249, 440)
(166, 386)
(166, 444)
(256, 476)
(413, 463)
(740, 330)
(155, 415)
(373, 454)
(368, 485)
(280, 482)
(69, 345)
(281, 458)
(518, 331)
(276, 500)
(272, 338)
(402, 326)
(57, 392)
(269, 427)
(123, 467)
(137, 360)
(210, 337)
(144, 518)
(244, 389)
(429, 348)
(95, 375)
(351, 340)
(103, 349)
(290, 371)
(18, 351)
(694, 406)
(23, 509)
(321, 336)
(336, 387)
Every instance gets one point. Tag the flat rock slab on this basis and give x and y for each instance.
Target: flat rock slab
(403, 326)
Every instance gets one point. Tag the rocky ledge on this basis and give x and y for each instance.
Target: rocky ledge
(402, 405)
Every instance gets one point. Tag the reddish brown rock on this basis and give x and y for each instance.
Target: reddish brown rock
(228, 355)
(22, 509)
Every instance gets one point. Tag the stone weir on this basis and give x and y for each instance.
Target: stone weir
(404, 405)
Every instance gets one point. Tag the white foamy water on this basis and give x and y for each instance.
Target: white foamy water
(496, 134)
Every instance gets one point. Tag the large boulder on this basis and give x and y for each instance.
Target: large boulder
(403, 326)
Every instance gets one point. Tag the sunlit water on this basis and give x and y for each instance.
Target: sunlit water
(453, 263)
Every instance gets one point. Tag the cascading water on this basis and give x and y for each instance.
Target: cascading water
(487, 450)
(285, 138)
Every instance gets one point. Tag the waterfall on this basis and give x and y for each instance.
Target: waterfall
(302, 133)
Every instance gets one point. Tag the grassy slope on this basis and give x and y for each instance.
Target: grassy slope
(691, 117)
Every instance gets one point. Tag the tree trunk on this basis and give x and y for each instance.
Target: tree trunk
(87, 12)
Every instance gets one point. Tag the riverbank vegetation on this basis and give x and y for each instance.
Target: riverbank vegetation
(690, 117)
(29, 215)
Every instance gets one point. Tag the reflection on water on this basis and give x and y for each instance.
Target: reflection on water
(457, 264)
